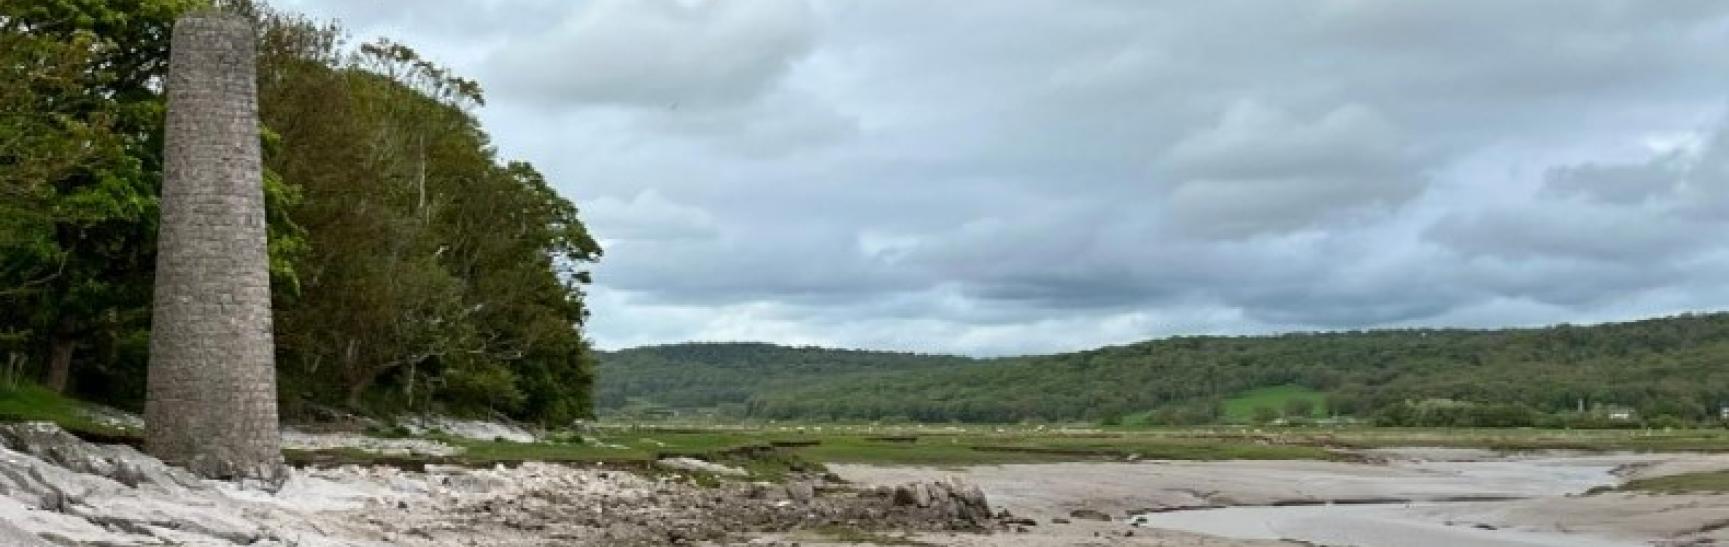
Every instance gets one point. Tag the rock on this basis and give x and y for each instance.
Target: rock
(470, 429)
(696, 465)
(11, 535)
(112, 417)
(904, 496)
(971, 495)
(1089, 514)
(961, 504)
(50, 443)
(433, 504)
(119, 463)
(800, 491)
(474, 483)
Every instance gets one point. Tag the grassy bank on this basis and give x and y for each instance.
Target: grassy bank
(28, 402)
(1687, 483)
(770, 447)
(986, 445)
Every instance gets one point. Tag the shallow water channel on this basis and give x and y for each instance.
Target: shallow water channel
(1427, 522)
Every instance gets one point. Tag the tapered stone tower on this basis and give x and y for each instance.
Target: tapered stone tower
(212, 384)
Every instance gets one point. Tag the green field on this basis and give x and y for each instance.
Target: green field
(1708, 482)
(1241, 409)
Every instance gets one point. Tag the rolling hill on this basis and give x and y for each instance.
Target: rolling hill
(709, 375)
(1676, 367)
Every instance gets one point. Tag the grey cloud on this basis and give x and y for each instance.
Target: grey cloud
(1618, 183)
(775, 124)
(1579, 231)
(648, 216)
(1260, 170)
(1601, 232)
(658, 53)
(1040, 175)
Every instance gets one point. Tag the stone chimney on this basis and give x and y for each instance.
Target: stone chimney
(211, 404)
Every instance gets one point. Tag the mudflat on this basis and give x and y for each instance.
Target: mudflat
(1404, 497)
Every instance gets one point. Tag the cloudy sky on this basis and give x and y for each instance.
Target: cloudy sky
(1029, 176)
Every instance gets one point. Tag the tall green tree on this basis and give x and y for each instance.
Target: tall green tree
(436, 276)
(82, 129)
(412, 268)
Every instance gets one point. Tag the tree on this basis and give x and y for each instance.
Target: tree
(1264, 414)
(435, 277)
(83, 123)
(412, 268)
(1299, 408)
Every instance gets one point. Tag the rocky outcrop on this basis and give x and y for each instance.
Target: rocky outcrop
(468, 429)
(57, 489)
(699, 466)
(63, 489)
(408, 447)
(949, 499)
(69, 455)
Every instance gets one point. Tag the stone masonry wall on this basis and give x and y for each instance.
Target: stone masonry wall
(212, 380)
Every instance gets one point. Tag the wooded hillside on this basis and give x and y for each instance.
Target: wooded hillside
(1676, 367)
(412, 267)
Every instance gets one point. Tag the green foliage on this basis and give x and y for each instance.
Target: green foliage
(700, 375)
(430, 274)
(80, 136)
(1241, 408)
(1190, 413)
(1263, 414)
(27, 401)
(1658, 367)
(412, 268)
(1687, 483)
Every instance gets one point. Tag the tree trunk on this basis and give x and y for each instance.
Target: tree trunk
(356, 391)
(60, 356)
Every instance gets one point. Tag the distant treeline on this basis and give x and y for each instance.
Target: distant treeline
(1661, 370)
(725, 376)
(412, 267)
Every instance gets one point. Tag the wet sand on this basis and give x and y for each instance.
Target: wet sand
(1528, 499)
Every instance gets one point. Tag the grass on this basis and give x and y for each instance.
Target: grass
(985, 445)
(756, 450)
(28, 402)
(753, 447)
(1637, 440)
(1688, 483)
(1241, 409)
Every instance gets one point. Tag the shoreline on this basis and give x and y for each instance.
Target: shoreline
(68, 490)
(1449, 493)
